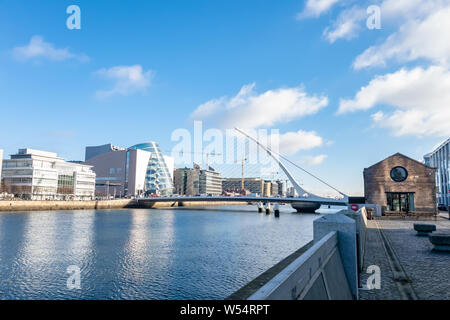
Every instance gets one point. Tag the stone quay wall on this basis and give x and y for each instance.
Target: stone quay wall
(28, 205)
(65, 205)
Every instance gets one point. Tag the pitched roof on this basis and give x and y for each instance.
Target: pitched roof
(402, 155)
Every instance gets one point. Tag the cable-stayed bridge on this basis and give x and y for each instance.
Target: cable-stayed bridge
(305, 202)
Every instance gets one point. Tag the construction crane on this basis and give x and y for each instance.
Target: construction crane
(242, 172)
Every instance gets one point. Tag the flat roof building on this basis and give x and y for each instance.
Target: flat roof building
(120, 172)
(254, 185)
(41, 175)
(186, 181)
(94, 151)
(439, 159)
(195, 181)
(401, 185)
(210, 182)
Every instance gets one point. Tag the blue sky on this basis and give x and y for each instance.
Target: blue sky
(138, 70)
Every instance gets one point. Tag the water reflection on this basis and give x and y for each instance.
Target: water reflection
(143, 254)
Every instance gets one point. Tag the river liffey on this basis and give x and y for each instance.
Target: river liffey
(143, 254)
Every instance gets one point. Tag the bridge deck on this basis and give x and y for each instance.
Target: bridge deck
(243, 199)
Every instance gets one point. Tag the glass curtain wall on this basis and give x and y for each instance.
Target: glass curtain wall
(157, 178)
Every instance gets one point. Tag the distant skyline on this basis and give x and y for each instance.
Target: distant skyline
(343, 96)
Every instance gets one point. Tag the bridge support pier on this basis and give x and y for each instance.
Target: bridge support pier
(306, 207)
(260, 207)
(268, 208)
(276, 210)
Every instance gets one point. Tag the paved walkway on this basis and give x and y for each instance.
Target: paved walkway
(427, 272)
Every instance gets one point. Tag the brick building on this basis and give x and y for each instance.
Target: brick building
(401, 185)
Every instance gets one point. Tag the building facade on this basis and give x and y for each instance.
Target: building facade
(210, 182)
(186, 181)
(135, 171)
(40, 175)
(254, 185)
(282, 190)
(158, 179)
(401, 185)
(120, 172)
(439, 159)
(274, 189)
(195, 181)
(94, 151)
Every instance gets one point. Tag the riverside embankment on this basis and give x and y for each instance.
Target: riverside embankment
(8, 206)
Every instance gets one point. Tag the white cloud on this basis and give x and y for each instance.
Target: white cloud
(418, 38)
(38, 48)
(420, 97)
(315, 8)
(127, 80)
(346, 25)
(249, 109)
(292, 142)
(410, 9)
(314, 160)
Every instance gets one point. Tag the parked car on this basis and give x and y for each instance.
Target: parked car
(442, 207)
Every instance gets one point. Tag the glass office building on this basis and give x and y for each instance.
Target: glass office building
(439, 159)
(158, 179)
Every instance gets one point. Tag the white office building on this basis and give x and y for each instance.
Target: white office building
(40, 175)
(439, 159)
(210, 182)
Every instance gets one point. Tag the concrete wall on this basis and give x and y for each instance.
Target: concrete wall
(65, 205)
(156, 204)
(328, 270)
(104, 204)
(360, 218)
(347, 243)
(318, 274)
(107, 182)
(137, 171)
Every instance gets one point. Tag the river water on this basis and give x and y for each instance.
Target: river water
(143, 254)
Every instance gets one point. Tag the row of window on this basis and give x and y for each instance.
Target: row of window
(115, 171)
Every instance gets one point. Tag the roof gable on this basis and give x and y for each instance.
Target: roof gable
(403, 156)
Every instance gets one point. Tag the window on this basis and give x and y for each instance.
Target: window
(400, 201)
(111, 171)
(399, 174)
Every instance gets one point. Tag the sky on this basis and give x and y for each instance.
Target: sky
(344, 86)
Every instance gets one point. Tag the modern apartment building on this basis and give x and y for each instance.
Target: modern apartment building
(210, 182)
(139, 170)
(274, 189)
(195, 181)
(254, 185)
(40, 175)
(186, 181)
(282, 190)
(439, 159)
